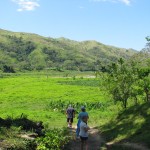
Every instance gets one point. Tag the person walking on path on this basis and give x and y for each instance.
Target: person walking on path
(84, 132)
(70, 114)
(80, 116)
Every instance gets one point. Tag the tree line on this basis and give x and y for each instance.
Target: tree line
(129, 80)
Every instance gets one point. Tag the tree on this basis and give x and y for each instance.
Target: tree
(37, 60)
(144, 72)
(120, 80)
(8, 69)
(141, 63)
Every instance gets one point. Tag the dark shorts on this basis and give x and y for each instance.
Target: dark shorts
(83, 138)
(70, 120)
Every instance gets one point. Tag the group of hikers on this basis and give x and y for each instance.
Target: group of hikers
(82, 126)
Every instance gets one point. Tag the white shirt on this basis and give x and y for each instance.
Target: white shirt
(83, 126)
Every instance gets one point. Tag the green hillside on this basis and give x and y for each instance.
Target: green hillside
(130, 129)
(25, 51)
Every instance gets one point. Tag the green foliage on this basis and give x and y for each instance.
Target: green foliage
(145, 84)
(37, 60)
(148, 38)
(32, 52)
(24, 145)
(53, 139)
(62, 105)
(130, 126)
(143, 69)
(127, 80)
(120, 79)
(8, 69)
(12, 128)
(17, 47)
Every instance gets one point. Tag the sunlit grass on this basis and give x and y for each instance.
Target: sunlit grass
(32, 94)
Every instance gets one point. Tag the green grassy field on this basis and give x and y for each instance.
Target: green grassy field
(31, 95)
(43, 98)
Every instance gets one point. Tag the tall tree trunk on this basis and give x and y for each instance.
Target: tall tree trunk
(125, 103)
(147, 97)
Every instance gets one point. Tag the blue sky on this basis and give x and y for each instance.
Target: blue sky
(121, 23)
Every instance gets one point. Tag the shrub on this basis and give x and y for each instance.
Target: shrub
(53, 140)
(62, 105)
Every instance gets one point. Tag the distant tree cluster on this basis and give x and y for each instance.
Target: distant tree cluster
(130, 79)
(17, 50)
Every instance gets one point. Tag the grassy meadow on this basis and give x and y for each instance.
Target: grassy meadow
(32, 95)
(43, 97)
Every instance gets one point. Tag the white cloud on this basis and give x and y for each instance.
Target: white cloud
(127, 2)
(26, 5)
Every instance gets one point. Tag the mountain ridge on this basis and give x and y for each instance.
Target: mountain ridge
(29, 51)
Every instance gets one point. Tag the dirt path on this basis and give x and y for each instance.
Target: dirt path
(95, 140)
(127, 146)
(135, 146)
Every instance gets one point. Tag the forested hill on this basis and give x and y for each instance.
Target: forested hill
(25, 51)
